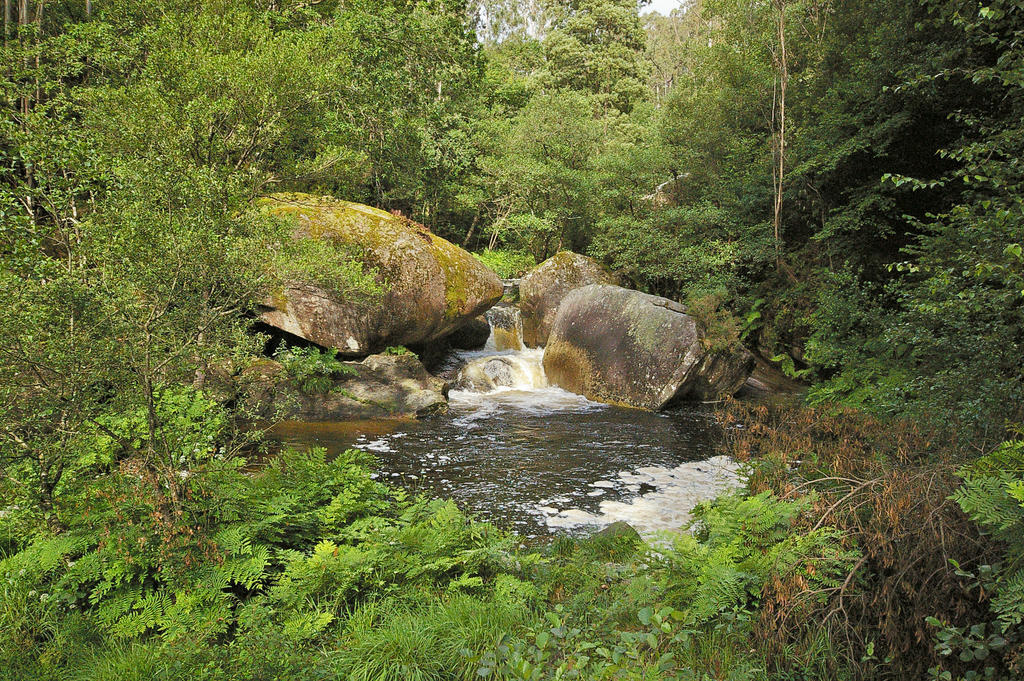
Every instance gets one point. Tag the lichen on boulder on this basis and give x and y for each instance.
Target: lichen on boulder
(624, 347)
(542, 289)
(429, 287)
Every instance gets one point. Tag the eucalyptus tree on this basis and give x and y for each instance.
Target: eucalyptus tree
(598, 46)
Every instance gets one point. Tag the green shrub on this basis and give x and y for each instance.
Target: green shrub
(136, 563)
(336, 266)
(507, 264)
(721, 328)
(313, 370)
(439, 639)
(739, 543)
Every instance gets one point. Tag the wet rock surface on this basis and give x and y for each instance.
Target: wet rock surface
(472, 335)
(766, 379)
(381, 386)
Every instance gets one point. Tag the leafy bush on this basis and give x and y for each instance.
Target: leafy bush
(398, 351)
(674, 251)
(684, 609)
(739, 544)
(886, 486)
(507, 264)
(313, 370)
(336, 266)
(721, 328)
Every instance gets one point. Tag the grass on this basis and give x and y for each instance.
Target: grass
(437, 639)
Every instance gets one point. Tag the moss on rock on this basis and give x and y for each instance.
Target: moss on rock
(428, 286)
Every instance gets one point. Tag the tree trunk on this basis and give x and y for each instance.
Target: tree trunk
(39, 38)
(472, 228)
(780, 143)
(25, 105)
(47, 484)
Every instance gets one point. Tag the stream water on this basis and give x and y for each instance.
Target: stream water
(536, 459)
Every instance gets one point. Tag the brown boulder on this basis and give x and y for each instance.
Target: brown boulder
(431, 286)
(630, 348)
(541, 291)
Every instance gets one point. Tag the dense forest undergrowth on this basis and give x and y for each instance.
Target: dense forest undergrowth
(837, 186)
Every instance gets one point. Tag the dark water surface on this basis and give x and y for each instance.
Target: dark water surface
(541, 460)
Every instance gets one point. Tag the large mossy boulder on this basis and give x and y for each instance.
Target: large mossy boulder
(430, 287)
(379, 387)
(624, 347)
(542, 289)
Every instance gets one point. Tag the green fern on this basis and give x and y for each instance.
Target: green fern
(992, 495)
(738, 544)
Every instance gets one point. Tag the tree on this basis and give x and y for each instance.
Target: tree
(133, 257)
(598, 46)
(541, 181)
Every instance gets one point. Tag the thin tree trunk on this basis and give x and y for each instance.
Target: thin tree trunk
(23, 20)
(199, 382)
(472, 228)
(39, 38)
(7, 33)
(783, 64)
(47, 484)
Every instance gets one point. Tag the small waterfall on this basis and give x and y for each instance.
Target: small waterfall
(505, 376)
(506, 328)
(523, 370)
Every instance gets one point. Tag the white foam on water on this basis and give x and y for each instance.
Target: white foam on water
(677, 491)
(382, 445)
